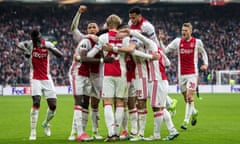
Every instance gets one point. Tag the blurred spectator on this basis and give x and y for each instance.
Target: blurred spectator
(218, 27)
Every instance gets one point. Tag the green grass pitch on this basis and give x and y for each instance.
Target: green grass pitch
(218, 121)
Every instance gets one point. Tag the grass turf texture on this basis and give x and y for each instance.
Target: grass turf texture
(218, 121)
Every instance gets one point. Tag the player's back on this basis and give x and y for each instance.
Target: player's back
(118, 66)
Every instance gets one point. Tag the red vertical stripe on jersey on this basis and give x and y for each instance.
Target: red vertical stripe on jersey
(186, 52)
(154, 92)
(114, 68)
(40, 63)
(162, 67)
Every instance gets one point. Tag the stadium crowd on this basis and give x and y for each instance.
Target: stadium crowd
(217, 27)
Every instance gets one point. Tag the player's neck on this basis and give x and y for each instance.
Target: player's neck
(188, 39)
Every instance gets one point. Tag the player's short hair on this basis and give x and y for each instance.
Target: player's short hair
(92, 23)
(189, 25)
(136, 10)
(35, 34)
(113, 21)
(123, 25)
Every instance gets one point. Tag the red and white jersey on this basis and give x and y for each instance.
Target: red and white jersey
(141, 64)
(77, 68)
(39, 59)
(144, 26)
(188, 54)
(117, 68)
(131, 66)
(156, 67)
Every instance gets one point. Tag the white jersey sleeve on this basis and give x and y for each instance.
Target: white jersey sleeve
(145, 40)
(126, 41)
(84, 44)
(25, 46)
(172, 46)
(77, 35)
(149, 29)
(103, 39)
(201, 49)
(142, 54)
(49, 44)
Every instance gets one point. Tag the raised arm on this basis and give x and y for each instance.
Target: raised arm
(77, 35)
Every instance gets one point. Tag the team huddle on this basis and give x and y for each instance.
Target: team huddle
(123, 65)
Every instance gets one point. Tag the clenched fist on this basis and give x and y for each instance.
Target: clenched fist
(82, 8)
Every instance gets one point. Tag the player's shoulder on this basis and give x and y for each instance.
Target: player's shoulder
(84, 43)
(103, 37)
(85, 40)
(199, 43)
(198, 40)
(48, 43)
(27, 42)
(129, 23)
(177, 39)
(147, 24)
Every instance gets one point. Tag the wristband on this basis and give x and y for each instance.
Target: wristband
(101, 60)
(115, 49)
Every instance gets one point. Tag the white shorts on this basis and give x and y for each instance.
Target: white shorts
(45, 86)
(114, 87)
(80, 85)
(96, 83)
(188, 82)
(141, 87)
(158, 91)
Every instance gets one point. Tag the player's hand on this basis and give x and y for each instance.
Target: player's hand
(82, 8)
(155, 56)
(108, 59)
(93, 37)
(107, 47)
(161, 35)
(204, 67)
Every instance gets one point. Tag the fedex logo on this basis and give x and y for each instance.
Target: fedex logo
(20, 90)
(69, 89)
(234, 89)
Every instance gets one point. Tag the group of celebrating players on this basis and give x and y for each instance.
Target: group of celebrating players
(123, 65)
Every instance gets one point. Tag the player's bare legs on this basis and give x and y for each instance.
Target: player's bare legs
(131, 112)
(190, 110)
(133, 115)
(34, 116)
(95, 117)
(77, 124)
(50, 114)
(142, 117)
(77, 118)
(85, 105)
(113, 119)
